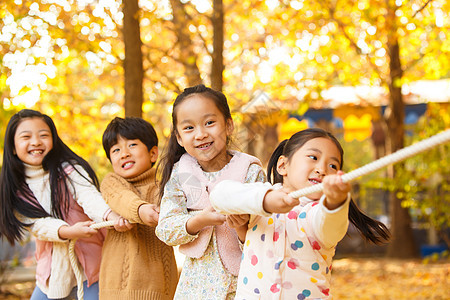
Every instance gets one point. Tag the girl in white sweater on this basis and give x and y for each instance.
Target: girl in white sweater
(290, 242)
(49, 190)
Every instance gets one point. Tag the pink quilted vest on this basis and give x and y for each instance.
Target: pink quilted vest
(87, 250)
(196, 188)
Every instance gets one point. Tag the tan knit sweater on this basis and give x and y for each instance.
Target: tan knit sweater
(135, 264)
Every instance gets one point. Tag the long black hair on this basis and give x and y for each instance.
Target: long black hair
(16, 197)
(371, 229)
(173, 150)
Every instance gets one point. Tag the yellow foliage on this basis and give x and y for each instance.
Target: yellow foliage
(291, 126)
(357, 128)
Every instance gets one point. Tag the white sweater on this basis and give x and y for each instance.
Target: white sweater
(285, 256)
(62, 279)
(230, 197)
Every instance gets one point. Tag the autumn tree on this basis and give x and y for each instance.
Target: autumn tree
(299, 49)
(425, 178)
(398, 27)
(72, 50)
(386, 43)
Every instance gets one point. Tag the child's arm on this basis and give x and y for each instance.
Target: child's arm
(207, 217)
(123, 200)
(120, 224)
(335, 190)
(233, 197)
(278, 201)
(240, 221)
(44, 229)
(92, 202)
(329, 219)
(240, 224)
(149, 214)
(76, 231)
(87, 195)
(173, 228)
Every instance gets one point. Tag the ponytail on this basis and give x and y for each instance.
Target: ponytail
(370, 229)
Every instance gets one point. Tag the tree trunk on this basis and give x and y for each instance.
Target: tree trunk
(133, 69)
(187, 53)
(217, 56)
(402, 244)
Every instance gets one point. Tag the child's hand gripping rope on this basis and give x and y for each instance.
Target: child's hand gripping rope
(119, 225)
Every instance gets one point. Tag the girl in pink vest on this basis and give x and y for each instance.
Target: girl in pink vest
(196, 159)
(47, 189)
(290, 243)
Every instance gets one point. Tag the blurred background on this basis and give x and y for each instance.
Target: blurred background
(374, 73)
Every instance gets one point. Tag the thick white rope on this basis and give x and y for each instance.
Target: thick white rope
(74, 262)
(393, 158)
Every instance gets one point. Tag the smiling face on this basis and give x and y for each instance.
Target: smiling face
(131, 158)
(202, 130)
(32, 141)
(317, 158)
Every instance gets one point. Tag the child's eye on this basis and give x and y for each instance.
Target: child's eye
(210, 122)
(333, 166)
(186, 128)
(133, 144)
(312, 157)
(115, 150)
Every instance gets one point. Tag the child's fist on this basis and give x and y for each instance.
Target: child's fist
(77, 230)
(123, 225)
(149, 214)
(278, 201)
(210, 217)
(235, 221)
(335, 190)
(120, 223)
(207, 217)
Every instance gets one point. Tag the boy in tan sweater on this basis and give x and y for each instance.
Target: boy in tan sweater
(135, 264)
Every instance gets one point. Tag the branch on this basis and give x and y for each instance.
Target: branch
(169, 80)
(232, 5)
(154, 66)
(166, 53)
(353, 44)
(199, 34)
(413, 62)
(422, 8)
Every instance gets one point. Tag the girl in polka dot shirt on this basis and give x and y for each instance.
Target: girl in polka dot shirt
(290, 242)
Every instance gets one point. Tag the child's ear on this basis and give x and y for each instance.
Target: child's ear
(281, 165)
(230, 126)
(154, 154)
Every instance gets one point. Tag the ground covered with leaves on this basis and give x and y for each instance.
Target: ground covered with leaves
(381, 278)
(352, 278)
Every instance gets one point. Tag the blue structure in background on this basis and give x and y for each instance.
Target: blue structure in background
(412, 114)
